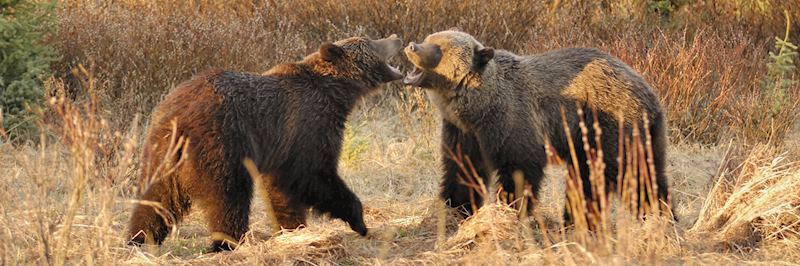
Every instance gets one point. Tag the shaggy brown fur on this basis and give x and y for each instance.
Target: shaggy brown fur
(288, 120)
(499, 108)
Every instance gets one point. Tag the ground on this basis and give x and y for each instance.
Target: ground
(392, 166)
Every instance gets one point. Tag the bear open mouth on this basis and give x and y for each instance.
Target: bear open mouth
(413, 77)
(395, 73)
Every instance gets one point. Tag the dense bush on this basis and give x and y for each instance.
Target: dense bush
(24, 59)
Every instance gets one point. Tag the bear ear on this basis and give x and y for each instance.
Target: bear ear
(483, 56)
(455, 29)
(329, 51)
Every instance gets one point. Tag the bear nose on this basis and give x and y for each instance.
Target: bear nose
(413, 47)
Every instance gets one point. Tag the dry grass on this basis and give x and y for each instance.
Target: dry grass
(733, 205)
(706, 62)
(757, 201)
(67, 196)
(405, 223)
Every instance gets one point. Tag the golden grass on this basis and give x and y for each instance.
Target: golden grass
(758, 201)
(403, 232)
(748, 213)
(705, 61)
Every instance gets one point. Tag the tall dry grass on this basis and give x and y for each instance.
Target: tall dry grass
(66, 195)
(755, 201)
(68, 202)
(706, 63)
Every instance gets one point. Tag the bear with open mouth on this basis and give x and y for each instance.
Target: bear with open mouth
(289, 120)
(499, 108)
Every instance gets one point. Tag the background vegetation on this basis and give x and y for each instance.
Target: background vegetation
(24, 60)
(707, 59)
(726, 71)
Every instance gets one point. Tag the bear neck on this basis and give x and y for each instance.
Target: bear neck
(319, 78)
(477, 79)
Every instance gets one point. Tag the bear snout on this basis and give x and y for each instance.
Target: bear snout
(412, 46)
(389, 46)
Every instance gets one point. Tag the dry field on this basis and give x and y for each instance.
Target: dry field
(67, 193)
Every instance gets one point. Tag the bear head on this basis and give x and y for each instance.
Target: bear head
(446, 59)
(358, 58)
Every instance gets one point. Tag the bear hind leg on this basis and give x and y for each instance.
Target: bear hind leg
(227, 211)
(161, 207)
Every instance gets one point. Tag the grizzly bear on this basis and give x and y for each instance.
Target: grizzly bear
(499, 108)
(289, 120)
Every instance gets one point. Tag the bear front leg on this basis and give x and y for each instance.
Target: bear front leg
(161, 207)
(532, 174)
(455, 192)
(320, 187)
(227, 208)
(338, 200)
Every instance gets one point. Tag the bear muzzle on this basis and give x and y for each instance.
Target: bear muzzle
(387, 48)
(424, 56)
(413, 77)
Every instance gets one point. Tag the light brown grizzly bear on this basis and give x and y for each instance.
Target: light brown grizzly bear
(288, 120)
(500, 107)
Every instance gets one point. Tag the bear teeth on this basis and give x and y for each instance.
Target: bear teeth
(395, 70)
(413, 77)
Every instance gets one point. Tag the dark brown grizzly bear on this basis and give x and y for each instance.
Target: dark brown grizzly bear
(500, 107)
(288, 120)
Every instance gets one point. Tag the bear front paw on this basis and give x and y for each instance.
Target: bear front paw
(136, 241)
(356, 219)
(221, 245)
(359, 228)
